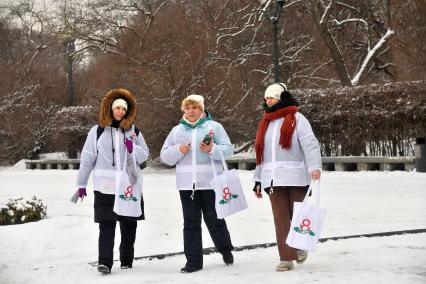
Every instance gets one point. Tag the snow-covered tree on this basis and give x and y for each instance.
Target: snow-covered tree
(330, 16)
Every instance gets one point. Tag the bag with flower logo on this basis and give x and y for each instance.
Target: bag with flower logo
(127, 196)
(230, 198)
(307, 222)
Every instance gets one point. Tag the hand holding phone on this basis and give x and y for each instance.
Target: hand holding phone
(207, 139)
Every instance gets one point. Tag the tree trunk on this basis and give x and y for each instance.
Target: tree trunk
(321, 20)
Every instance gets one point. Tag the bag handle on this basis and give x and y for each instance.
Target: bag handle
(213, 167)
(315, 194)
(225, 166)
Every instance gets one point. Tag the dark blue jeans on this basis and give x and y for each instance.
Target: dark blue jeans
(193, 246)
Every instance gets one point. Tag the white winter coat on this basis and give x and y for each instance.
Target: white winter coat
(194, 170)
(98, 156)
(289, 167)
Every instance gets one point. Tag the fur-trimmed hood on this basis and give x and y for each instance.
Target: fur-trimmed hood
(105, 115)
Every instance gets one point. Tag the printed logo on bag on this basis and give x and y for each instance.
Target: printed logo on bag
(227, 196)
(304, 228)
(128, 195)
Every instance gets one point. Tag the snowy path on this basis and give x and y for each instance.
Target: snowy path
(59, 248)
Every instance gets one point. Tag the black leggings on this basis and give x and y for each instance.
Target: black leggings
(106, 242)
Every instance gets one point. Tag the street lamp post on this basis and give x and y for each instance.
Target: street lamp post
(272, 11)
(69, 50)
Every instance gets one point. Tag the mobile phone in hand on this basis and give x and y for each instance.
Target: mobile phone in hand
(207, 139)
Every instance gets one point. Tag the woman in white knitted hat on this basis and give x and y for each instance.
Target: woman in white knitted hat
(287, 158)
(190, 145)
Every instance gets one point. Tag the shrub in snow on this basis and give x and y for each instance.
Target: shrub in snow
(19, 211)
(27, 122)
(370, 120)
(71, 126)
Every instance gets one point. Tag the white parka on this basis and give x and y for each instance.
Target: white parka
(289, 167)
(97, 155)
(194, 170)
(105, 154)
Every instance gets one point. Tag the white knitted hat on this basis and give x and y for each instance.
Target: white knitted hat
(119, 102)
(194, 98)
(275, 90)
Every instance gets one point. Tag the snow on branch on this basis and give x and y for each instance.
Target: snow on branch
(352, 8)
(246, 25)
(370, 56)
(243, 98)
(327, 12)
(352, 20)
(355, 20)
(243, 147)
(301, 49)
(291, 3)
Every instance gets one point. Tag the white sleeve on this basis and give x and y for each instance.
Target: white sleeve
(141, 149)
(170, 153)
(257, 172)
(309, 144)
(221, 143)
(88, 158)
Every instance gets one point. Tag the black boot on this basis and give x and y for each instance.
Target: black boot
(190, 269)
(104, 269)
(228, 258)
(126, 265)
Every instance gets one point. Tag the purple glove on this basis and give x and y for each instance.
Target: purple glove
(82, 192)
(129, 145)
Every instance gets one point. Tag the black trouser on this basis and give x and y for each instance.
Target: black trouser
(106, 242)
(192, 239)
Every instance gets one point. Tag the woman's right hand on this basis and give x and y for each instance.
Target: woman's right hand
(257, 190)
(184, 148)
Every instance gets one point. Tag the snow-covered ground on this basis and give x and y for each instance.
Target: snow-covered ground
(59, 248)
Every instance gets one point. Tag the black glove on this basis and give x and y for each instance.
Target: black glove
(267, 190)
(256, 183)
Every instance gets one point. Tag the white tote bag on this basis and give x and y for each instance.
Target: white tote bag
(127, 196)
(307, 222)
(229, 198)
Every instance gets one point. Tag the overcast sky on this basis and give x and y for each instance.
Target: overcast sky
(39, 3)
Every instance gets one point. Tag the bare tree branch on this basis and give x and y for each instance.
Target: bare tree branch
(370, 56)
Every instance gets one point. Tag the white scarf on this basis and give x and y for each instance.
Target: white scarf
(195, 122)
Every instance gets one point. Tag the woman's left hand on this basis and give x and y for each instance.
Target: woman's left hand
(206, 148)
(316, 175)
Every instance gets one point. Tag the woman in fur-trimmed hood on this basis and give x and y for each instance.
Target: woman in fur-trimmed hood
(105, 114)
(113, 151)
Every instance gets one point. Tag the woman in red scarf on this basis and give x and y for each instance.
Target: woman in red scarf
(287, 158)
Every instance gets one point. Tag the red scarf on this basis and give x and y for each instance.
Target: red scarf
(287, 129)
